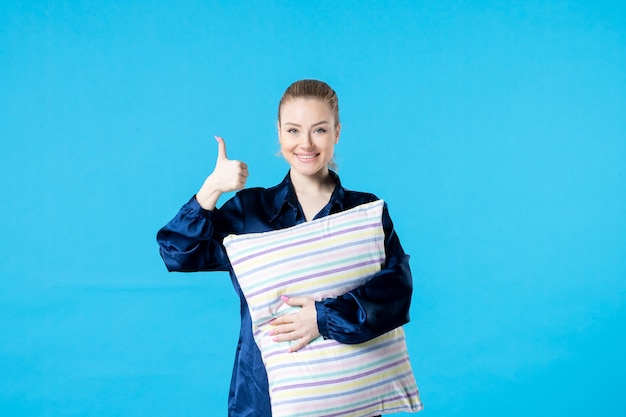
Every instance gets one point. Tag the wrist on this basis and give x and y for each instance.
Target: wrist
(208, 195)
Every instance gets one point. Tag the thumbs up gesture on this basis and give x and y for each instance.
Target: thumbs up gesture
(228, 175)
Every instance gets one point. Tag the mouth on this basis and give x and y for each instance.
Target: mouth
(306, 157)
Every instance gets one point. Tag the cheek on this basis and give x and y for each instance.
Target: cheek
(285, 148)
(330, 142)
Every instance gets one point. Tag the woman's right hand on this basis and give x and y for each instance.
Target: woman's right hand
(228, 175)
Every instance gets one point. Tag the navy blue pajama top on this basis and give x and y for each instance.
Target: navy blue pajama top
(192, 241)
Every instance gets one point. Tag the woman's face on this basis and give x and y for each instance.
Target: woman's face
(307, 135)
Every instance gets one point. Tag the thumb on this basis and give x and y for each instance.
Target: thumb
(221, 148)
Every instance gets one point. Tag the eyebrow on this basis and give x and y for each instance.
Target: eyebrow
(323, 122)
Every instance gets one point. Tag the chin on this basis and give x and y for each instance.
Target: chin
(308, 171)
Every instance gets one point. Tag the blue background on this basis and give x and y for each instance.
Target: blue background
(496, 131)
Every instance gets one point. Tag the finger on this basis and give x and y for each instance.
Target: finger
(294, 301)
(282, 335)
(221, 148)
(283, 324)
(277, 331)
(280, 320)
(297, 346)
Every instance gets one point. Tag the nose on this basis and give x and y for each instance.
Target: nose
(307, 140)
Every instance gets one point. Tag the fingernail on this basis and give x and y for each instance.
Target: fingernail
(275, 339)
(284, 297)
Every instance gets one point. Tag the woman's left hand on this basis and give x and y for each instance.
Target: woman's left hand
(300, 326)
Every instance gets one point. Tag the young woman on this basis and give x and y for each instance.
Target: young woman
(308, 130)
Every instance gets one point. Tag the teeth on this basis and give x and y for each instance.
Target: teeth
(306, 156)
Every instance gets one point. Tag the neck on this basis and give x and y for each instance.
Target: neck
(312, 184)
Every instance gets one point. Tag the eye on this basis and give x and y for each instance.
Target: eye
(292, 130)
(320, 130)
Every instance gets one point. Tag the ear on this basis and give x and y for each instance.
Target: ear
(337, 131)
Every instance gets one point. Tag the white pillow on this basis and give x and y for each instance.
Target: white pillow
(322, 259)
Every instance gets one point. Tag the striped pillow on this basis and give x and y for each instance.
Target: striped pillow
(321, 259)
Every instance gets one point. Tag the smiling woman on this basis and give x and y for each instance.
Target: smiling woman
(308, 129)
(308, 133)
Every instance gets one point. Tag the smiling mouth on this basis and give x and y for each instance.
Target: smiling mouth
(306, 157)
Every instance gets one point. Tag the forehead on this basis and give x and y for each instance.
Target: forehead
(305, 108)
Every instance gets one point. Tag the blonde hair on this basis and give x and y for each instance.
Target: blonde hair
(313, 89)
